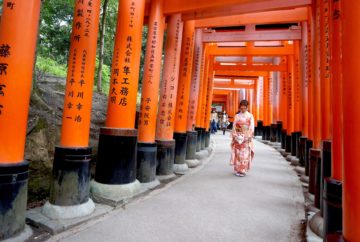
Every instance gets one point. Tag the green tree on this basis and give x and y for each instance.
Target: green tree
(55, 29)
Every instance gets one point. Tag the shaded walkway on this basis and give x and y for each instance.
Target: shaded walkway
(211, 205)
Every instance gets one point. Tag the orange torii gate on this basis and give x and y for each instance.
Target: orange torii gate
(147, 145)
(69, 191)
(18, 32)
(316, 89)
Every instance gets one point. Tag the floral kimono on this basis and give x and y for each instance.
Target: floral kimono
(242, 148)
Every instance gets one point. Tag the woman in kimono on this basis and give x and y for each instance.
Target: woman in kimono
(242, 148)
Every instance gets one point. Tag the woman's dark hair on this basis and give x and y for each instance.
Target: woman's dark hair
(244, 103)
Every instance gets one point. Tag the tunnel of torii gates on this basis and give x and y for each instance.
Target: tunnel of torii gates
(296, 62)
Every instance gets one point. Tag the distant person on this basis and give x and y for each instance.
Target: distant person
(224, 122)
(242, 148)
(214, 119)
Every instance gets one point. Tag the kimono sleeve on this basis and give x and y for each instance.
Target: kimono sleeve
(252, 125)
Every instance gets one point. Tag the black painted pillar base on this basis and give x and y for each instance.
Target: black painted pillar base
(273, 128)
(260, 128)
(325, 170)
(207, 139)
(295, 136)
(283, 139)
(288, 143)
(308, 146)
(116, 164)
(191, 145)
(146, 162)
(314, 175)
(302, 144)
(180, 147)
(180, 166)
(13, 198)
(70, 183)
(267, 132)
(203, 138)
(165, 157)
(332, 206)
(199, 139)
(279, 126)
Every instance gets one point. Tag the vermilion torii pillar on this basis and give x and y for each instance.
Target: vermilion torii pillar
(283, 94)
(18, 32)
(182, 103)
(202, 108)
(325, 80)
(69, 190)
(193, 100)
(317, 77)
(337, 87)
(149, 96)
(266, 121)
(167, 101)
(200, 97)
(290, 96)
(351, 115)
(115, 175)
(310, 74)
(305, 77)
(209, 95)
(270, 96)
(260, 98)
(297, 88)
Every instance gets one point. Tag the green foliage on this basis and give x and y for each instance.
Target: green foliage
(55, 29)
(110, 29)
(50, 66)
(106, 74)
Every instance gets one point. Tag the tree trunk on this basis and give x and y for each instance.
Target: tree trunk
(101, 48)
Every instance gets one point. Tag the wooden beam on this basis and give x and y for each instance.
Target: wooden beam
(218, 67)
(263, 35)
(221, 92)
(235, 74)
(279, 16)
(171, 6)
(236, 86)
(240, 8)
(250, 50)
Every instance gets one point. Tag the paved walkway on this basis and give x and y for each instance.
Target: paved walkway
(211, 204)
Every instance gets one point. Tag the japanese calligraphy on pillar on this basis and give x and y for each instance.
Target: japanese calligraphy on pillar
(326, 36)
(308, 57)
(145, 107)
(283, 78)
(185, 71)
(194, 84)
(297, 79)
(170, 77)
(77, 81)
(125, 65)
(5, 53)
(185, 74)
(306, 65)
(289, 90)
(271, 90)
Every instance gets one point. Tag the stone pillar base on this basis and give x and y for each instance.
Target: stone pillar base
(150, 185)
(181, 169)
(193, 163)
(114, 194)
(68, 212)
(22, 236)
